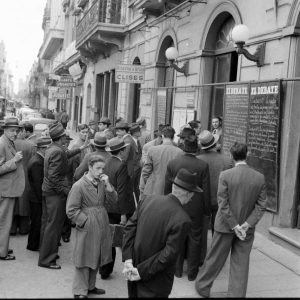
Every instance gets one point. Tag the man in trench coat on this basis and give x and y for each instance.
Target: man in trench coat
(93, 241)
(12, 182)
(154, 236)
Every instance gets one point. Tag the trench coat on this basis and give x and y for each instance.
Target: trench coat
(93, 242)
(22, 207)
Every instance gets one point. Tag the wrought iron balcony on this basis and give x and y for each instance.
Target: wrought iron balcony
(102, 27)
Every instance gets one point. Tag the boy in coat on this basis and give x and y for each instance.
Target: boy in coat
(85, 207)
(154, 236)
(242, 202)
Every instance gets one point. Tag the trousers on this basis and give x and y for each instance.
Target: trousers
(54, 209)
(136, 289)
(222, 244)
(6, 217)
(35, 226)
(84, 280)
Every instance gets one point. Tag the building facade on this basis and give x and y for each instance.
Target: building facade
(100, 35)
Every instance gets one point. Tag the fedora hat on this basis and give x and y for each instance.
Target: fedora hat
(134, 127)
(99, 140)
(43, 142)
(115, 144)
(105, 120)
(56, 130)
(11, 122)
(92, 122)
(187, 181)
(186, 131)
(207, 139)
(122, 125)
(190, 144)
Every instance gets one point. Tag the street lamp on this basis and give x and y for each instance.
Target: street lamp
(240, 34)
(171, 55)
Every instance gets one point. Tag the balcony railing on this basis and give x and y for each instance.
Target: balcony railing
(102, 11)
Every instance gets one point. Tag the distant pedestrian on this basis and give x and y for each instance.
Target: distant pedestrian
(242, 202)
(93, 237)
(64, 119)
(12, 182)
(185, 132)
(145, 133)
(103, 124)
(216, 123)
(154, 236)
(93, 128)
(35, 173)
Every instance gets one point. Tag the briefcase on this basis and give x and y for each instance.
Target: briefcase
(117, 231)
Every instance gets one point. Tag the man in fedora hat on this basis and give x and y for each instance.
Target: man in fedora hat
(99, 143)
(154, 236)
(12, 182)
(145, 133)
(154, 170)
(197, 208)
(242, 202)
(216, 123)
(93, 128)
(55, 189)
(217, 163)
(116, 170)
(103, 124)
(35, 173)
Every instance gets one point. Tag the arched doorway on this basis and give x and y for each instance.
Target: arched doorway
(225, 65)
(88, 102)
(165, 79)
(134, 97)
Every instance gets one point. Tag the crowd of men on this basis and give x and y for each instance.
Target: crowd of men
(166, 194)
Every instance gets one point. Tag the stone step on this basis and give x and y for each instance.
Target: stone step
(286, 237)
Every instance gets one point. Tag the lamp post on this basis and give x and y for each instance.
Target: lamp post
(240, 34)
(171, 55)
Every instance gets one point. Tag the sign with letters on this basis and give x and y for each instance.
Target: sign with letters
(66, 81)
(130, 73)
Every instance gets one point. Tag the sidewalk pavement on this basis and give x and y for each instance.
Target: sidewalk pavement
(274, 272)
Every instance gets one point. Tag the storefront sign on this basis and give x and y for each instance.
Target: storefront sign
(66, 81)
(130, 73)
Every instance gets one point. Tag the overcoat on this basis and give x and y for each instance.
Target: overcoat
(131, 155)
(12, 177)
(93, 242)
(22, 207)
(154, 170)
(154, 236)
(116, 170)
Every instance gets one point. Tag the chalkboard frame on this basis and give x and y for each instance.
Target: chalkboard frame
(277, 157)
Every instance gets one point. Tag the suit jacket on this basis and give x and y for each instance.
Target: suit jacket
(131, 157)
(55, 171)
(35, 173)
(200, 201)
(116, 170)
(241, 197)
(83, 167)
(146, 147)
(12, 177)
(154, 170)
(217, 163)
(153, 238)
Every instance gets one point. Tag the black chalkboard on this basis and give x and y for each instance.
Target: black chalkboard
(235, 119)
(252, 116)
(264, 134)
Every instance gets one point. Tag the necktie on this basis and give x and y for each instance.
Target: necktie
(13, 145)
(139, 147)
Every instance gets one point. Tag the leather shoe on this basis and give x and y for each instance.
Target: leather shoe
(96, 291)
(10, 251)
(66, 239)
(80, 296)
(192, 276)
(57, 256)
(52, 266)
(8, 257)
(104, 276)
